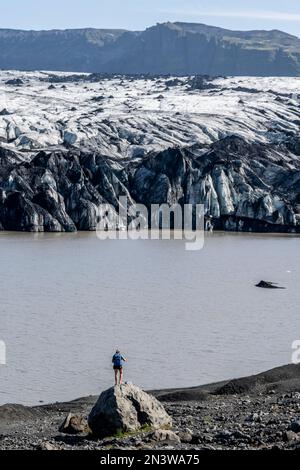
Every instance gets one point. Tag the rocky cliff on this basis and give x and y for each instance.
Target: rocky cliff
(176, 48)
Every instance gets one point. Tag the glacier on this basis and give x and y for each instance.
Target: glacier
(71, 142)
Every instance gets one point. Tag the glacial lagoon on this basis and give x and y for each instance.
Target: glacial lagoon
(181, 317)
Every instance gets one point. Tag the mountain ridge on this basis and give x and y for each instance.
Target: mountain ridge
(165, 48)
(182, 24)
(236, 31)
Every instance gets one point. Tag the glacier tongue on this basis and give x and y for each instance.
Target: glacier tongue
(71, 143)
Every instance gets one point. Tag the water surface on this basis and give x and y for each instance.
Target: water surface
(182, 318)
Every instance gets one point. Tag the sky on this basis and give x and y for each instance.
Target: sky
(139, 14)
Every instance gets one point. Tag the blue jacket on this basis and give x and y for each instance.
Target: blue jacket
(118, 360)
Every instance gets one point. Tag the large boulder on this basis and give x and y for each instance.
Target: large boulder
(126, 408)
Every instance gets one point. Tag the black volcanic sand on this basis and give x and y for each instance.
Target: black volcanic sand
(254, 412)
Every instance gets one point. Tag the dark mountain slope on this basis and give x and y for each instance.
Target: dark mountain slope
(243, 187)
(65, 50)
(168, 48)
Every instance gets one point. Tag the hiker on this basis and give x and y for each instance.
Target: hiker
(118, 361)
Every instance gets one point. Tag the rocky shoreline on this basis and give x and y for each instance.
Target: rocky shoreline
(257, 412)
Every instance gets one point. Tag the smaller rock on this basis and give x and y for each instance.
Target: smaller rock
(161, 435)
(241, 435)
(197, 439)
(45, 445)
(253, 417)
(242, 445)
(224, 435)
(186, 436)
(74, 424)
(295, 426)
(289, 436)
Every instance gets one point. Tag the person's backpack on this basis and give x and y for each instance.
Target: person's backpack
(117, 360)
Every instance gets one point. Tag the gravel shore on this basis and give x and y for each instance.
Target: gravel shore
(257, 412)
